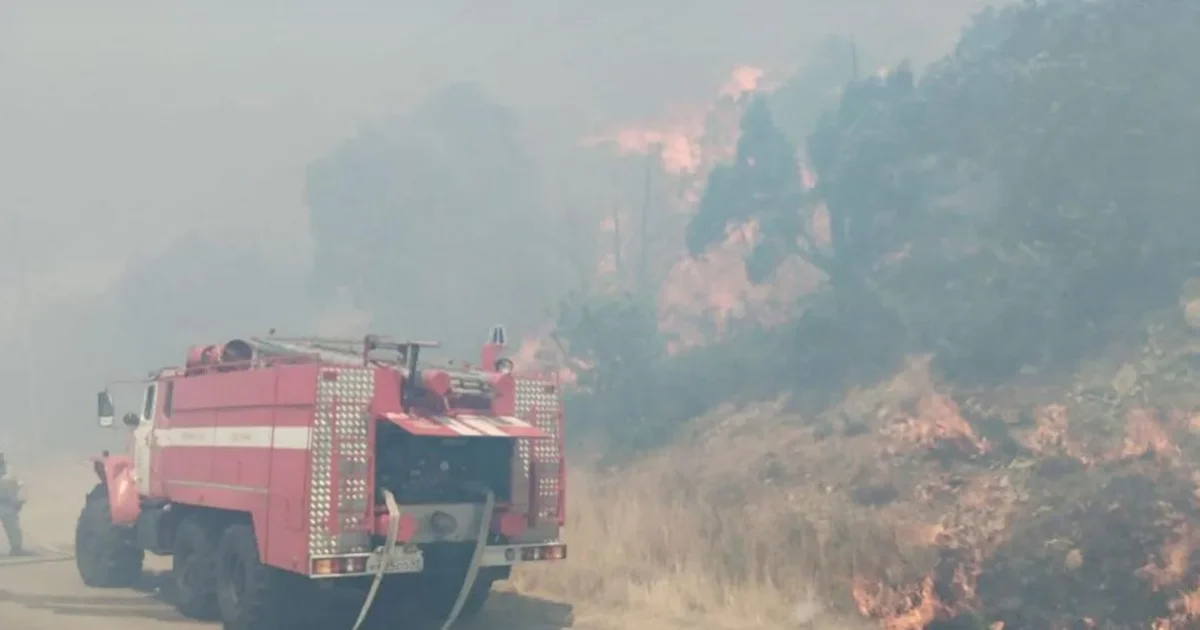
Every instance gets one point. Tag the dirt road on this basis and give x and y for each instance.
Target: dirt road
(49, 596)
(40, 595)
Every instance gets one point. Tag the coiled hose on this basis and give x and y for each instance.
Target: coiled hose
(393, 509)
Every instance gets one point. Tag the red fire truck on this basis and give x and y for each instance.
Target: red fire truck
(278, 472)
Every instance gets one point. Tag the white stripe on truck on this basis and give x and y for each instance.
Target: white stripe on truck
(287, 438)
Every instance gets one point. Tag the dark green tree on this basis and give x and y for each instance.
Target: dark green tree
(864, 185)
(1026, 199)
(1061, 135)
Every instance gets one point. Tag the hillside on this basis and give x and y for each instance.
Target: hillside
(1047, 503)
(984, 415)
(918, 353)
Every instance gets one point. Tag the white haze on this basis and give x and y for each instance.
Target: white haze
(127, 123)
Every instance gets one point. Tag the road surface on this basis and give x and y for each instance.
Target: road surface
(41, 595)
(49, 596)
(36, 594)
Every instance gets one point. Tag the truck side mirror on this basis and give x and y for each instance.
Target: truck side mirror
(104, 409)
(131, 420)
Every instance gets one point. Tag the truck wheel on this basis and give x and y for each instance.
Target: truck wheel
(193, 570)
(250, 594)
(105, 554)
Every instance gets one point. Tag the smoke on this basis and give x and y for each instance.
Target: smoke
(153, 168)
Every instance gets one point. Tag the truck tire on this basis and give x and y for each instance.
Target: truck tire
(105, 554)
(193, 570)
(250, 594)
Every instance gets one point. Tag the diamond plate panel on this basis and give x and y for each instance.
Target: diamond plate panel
(537, 401)
(340, 490)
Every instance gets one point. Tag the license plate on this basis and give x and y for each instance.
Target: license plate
(401, 561)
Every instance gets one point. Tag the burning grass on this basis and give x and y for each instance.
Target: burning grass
(911, 506)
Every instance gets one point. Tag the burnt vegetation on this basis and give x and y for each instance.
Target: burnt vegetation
(1022, 204)
(1023, 213)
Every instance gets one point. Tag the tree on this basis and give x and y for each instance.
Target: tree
(199, 289)
(432, 222)
(862, 185)
(1066, 127)
(815, 88)
(1027, 198)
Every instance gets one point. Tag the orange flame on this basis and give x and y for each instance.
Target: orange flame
(700, 297)
(745, 80)
(1185, 612)
(1144, 435)
(898, 608)
(1051, 435)
(937, 422)
(1175, 558)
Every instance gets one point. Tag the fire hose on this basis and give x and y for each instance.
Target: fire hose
(389, 547)
(393, 509)
(485, 526)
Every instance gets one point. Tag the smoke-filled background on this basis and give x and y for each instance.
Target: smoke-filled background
(891, 309)
(176, 172)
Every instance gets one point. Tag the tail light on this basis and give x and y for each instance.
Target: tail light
(548, 552)
(339, 566)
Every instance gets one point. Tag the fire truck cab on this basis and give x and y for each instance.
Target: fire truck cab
(278, 472)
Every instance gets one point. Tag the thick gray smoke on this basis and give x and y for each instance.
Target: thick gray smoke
(155, 154)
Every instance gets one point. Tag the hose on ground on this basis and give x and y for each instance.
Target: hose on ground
(485, 527)
(27, 560)
(393, 509)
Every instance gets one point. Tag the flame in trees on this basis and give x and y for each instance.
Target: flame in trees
(700, 297)
(744, 80)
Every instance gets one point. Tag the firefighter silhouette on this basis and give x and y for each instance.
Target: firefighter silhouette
(10, 508)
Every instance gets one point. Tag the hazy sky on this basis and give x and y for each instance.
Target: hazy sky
(126, 122)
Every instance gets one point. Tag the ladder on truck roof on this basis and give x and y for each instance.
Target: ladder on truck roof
(332, 349)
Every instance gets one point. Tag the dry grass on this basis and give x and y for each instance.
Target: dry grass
(657, 544)
(646, 542)
(898, 502)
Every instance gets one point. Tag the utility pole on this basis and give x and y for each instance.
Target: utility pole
(618, 263)
(642, 281)
(617, 245)
(853, 60)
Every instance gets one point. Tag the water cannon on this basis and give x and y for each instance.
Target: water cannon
(498, 336)
(490, 358)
